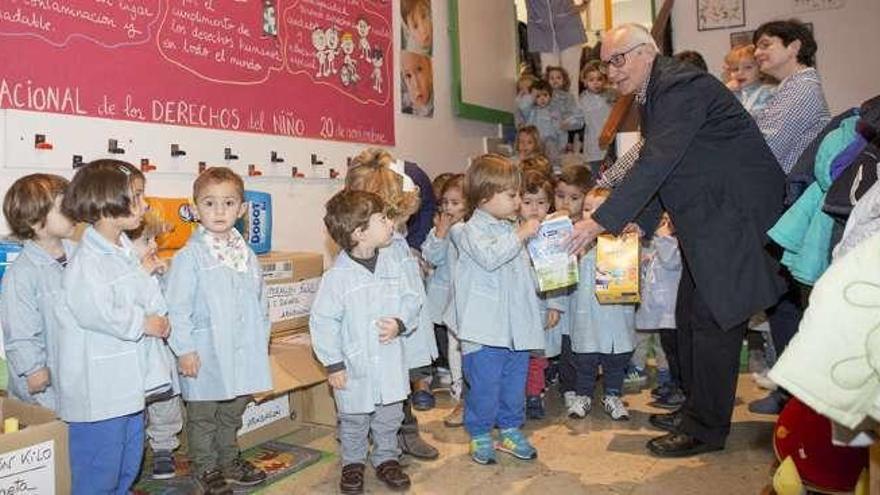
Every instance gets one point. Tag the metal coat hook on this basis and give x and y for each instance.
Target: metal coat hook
(275, 157)
(146, 166)
(77, 161)
(202, 166)
(253, 171)
(227, 154)
(40, 142)
(176, 151)
(113, 147)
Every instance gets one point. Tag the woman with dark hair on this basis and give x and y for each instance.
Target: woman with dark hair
(798, 111)
(795, 114)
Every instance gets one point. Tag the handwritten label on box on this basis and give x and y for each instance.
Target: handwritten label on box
(291, 300)
(29, 470)
(259, 415)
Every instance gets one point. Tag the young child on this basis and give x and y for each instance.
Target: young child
(32, 285)
(751, 90)
(546, 118)
(571, 188)
(221, 331)
(537, 189)
(364, 302)
(418, 29)
(564, 103)
(656, 312)
(595, 104)
(164, 408)
(601, 334)
(438, 183)
(523, 90)
(528, 143)
(541, 165)
(497, 312)
(372, 171)
(106, 308)
(440, 251)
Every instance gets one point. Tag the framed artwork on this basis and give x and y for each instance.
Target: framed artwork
(720, 14)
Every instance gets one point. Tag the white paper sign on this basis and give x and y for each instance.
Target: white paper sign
(259, 415)
(29, 470)
(291, 300)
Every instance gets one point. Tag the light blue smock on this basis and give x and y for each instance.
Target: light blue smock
(221, 314)
(343, 327)
(660, 278)
(419, 344)
(31, 289)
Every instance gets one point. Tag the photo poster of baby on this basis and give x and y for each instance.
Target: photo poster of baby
(416, 63)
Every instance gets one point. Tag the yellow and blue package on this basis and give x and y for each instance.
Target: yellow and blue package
(178, 213)
(256, 224)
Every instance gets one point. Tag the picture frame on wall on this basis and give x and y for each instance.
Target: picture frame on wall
(720, 14)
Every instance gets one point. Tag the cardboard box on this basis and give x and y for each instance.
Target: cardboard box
(299, 378)
(34, 459)
(617, 269)
(292, 279)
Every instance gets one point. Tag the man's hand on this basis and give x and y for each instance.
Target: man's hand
(38, 381)
(189, 364)
(585, 232)
(337, 379)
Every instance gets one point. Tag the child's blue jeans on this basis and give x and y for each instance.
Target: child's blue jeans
(105, 456)
(613, 371)
(496, 377)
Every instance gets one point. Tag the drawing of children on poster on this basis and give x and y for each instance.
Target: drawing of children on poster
(348, 74)
(377, 60)
(417, 84)
(332, 37)
(320, 44)
(416, 27)
(363, 28)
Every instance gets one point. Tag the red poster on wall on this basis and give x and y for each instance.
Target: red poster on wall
(303, 68)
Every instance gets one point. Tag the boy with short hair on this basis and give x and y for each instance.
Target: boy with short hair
(32, 284)
(364, 303)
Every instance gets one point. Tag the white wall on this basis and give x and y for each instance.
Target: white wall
(440, 144)
(847, 38)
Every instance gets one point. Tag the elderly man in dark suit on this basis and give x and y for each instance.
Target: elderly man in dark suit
(705, 162)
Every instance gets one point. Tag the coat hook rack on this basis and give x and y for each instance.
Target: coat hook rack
(176, 151)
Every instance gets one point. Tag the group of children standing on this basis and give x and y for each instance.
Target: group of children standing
(503, 334)
(99, 332)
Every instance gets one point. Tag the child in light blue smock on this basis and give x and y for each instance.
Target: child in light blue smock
(440, 252)
(537, 194)
(221, 331)
(497, 311)
(107, 308)
(571, 118)
(751, 90)
(600, 334)
(364, 302)
(32, 285)
(538, 111)
(375, 171)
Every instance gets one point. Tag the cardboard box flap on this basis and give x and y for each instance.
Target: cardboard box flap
(27, 414)
(293, 366)
(281, 266)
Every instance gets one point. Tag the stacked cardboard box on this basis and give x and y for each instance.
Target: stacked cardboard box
(35, 458)
(291, 279)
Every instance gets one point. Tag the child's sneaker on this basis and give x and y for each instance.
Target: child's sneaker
(568, 398)
(515, 443)
(483, 449)
(580, 407)
(243, 473)
(212, 482)
(163, 465)
(535, 407)
(615, 408)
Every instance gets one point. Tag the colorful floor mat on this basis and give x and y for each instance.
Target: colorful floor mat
(277, 458)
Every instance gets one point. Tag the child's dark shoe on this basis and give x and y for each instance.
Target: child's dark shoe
(352, 480)
(243, 473)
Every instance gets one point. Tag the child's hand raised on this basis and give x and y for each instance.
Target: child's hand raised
(527, 229)
(189, 364)
(156, 326)
(154, 265)
(337, 379)
(442, 223)
(389, 329)
(38, 381)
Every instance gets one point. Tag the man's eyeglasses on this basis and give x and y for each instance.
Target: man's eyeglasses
(619, 59)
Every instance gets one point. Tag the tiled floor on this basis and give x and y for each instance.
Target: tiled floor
(594, 455)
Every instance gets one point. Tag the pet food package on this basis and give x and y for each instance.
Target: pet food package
(179, 214)
(617, 269)
(256, 224)
(554, 266)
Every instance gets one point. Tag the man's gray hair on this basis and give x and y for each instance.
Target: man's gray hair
(636, 34)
